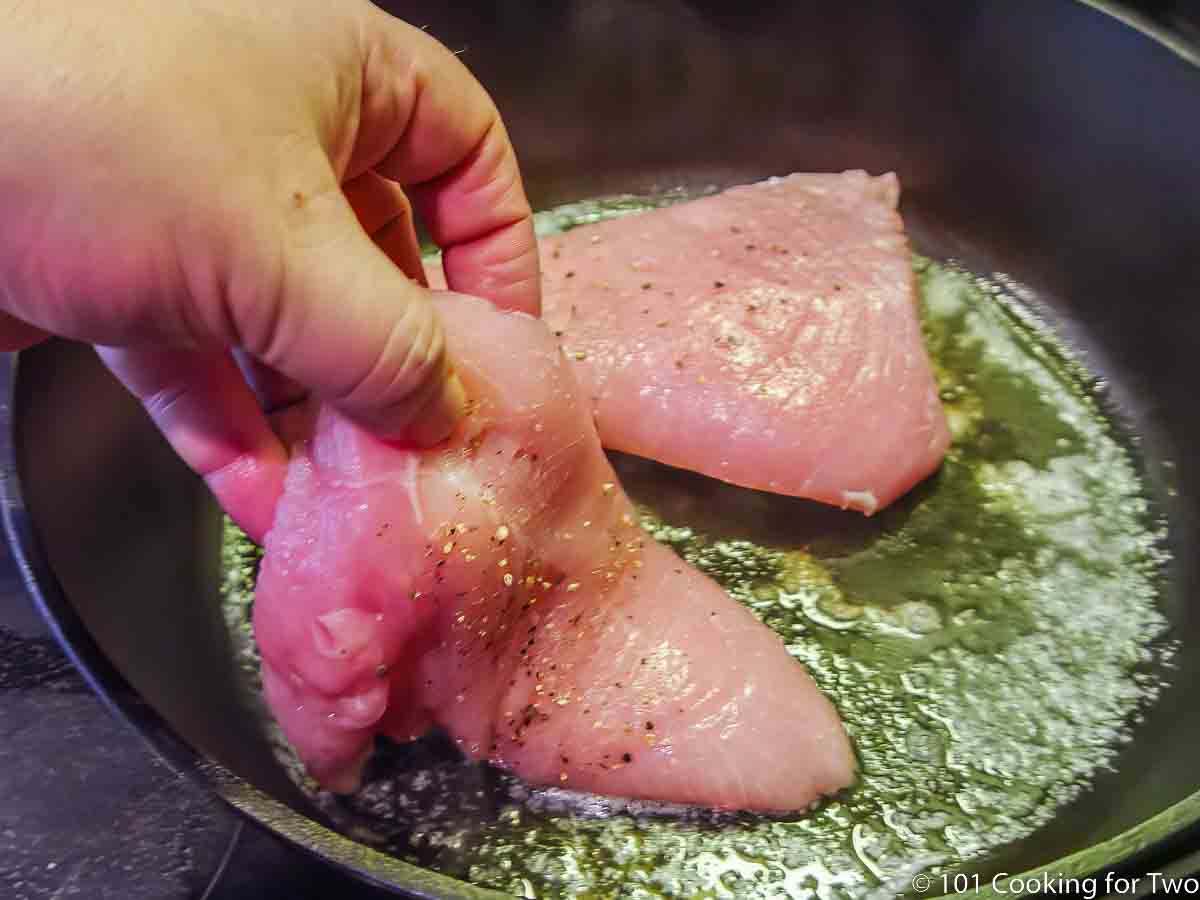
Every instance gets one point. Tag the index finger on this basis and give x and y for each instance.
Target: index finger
(429, 125)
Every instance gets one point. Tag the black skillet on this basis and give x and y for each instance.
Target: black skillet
(1048, 139)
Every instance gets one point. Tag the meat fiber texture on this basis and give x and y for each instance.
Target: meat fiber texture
(501, 587)
(766, 336)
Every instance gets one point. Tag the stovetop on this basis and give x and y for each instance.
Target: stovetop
(87, 810)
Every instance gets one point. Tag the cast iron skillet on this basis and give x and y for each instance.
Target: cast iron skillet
(1048, 140)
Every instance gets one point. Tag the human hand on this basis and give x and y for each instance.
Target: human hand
(181, 181)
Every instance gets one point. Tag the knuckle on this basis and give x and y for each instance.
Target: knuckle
(254, 293)
(408, 368)
(424, 361)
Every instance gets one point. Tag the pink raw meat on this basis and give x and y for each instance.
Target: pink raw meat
(766, 336)
(501, 587)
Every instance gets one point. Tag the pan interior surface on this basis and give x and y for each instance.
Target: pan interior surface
(988, 640)
(1043, 140)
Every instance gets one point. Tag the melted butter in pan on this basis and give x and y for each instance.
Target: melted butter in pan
(988, 641)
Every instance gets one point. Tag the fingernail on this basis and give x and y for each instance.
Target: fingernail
(437, 420)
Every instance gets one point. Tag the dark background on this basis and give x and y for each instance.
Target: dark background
(1180, 15)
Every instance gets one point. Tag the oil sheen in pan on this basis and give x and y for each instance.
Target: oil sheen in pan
(989, 641)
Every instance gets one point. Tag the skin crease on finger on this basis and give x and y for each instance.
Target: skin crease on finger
(174, 178)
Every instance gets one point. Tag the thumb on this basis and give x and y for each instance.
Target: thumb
(347, 323)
